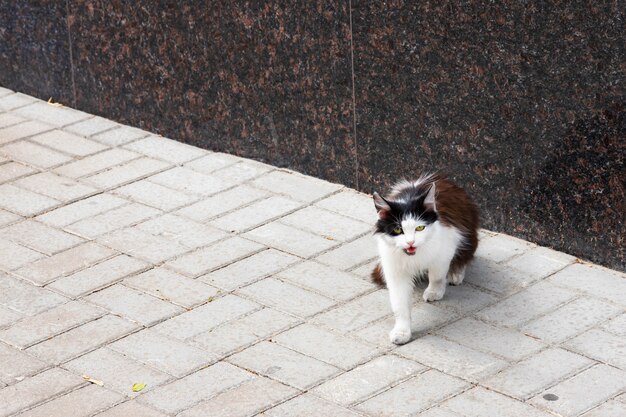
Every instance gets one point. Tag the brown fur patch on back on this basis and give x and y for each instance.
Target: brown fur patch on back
(377, 276)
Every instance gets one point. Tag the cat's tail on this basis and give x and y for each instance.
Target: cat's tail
(377, 276)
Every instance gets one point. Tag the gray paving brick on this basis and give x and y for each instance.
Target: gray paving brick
(607, 284)
(327, 281)
(111, 220)
(170, 286)
(465, 299)
(98, 276)
(131, 408)
(40, 237)
(13, 170)
(162, 353)
(286, 297)
(212, 257)
(451, 358)
(48, 269)
(245, 400)
(540, 262)
(96, 163)
(499, 248)
(250, 269)
(255, 214)
(50, 323)
(584, 391)
(424, 318)
(566, 321)
(155, 195)
(57, 116)
(161, 148)
(480, 336)
(91, 126)
(14, 100)
(13, 255)
(120, 136)
(57, 187)
(16, 365)
(82, 339)
(80, 403)
(527, 304)
(142, 245)
(617, 326)
(242, 171)
(8, 316)
(189, 181)
(305, 404)
(350, 254)
(243, 332)
(206, 317)
(416, 394)
(192, 389)
(367, 380)
(68, 143)
(212, 162)
(352, 204)
(537, 373)
(80, 210)
(32, 391)
(210, 207)
(188, 233)
(25, 298)
(357, 313)
(117, 371)
(364, 271)
(7, 218)
(608, 409)
(295, 186)
(438, 412)
(33, 154)
(8, 119)
(290, 240)
(24, 202)
(326, 223)
(284, 365)
(498, 278)
(602, 346)
(127, 172)
(340, 351)
(479, 402)
(22, 130)
(134, 305)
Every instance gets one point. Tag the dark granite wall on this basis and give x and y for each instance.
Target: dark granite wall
(523, 103)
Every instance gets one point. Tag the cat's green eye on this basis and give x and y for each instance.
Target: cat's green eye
(420, 228)
(397, 230)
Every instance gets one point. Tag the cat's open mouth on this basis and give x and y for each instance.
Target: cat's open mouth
(410, 250)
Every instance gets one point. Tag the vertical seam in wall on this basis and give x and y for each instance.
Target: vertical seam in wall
(356, 148)
(69, 36)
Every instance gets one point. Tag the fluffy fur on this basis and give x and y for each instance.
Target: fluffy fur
(428, 226)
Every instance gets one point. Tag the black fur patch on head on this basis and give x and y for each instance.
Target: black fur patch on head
(409, 202)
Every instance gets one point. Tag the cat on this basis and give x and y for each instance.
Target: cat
(428, 226)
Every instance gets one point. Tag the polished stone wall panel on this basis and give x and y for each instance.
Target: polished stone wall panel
(270, 80)
(34, 49)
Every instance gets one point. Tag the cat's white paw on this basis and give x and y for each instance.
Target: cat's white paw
(400, 335)
(457, 278)
(434, 294)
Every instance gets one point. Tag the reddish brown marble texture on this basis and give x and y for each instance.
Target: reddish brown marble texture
(522, 103)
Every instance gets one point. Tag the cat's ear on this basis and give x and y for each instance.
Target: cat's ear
(429, 201)
(382, 206)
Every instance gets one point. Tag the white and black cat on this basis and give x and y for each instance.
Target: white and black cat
(428, 226)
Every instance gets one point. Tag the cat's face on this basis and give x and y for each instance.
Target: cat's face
(407, 223)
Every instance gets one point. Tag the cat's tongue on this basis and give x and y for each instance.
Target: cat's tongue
(410, 250)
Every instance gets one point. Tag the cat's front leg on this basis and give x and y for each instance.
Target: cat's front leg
(436, 283)
(401, 296)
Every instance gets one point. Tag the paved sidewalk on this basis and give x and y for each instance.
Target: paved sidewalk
(232, 288)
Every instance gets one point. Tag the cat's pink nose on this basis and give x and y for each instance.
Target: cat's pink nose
(410, 242)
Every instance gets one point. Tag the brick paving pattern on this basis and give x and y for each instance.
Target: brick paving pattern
(233, 288)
